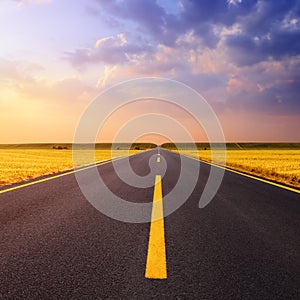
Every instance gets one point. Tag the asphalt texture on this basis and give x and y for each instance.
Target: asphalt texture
(244, 245)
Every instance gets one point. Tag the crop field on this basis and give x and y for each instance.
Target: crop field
(280, 165)
(19, 163)
(278, 162)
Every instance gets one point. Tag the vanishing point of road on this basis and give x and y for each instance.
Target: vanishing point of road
(244, 245)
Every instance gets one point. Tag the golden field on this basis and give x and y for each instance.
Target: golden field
(22, 164)
(280, 165)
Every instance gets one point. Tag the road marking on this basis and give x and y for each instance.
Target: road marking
(79, 169)
(158, 159)
(247, 175)
(56, 176)
(156, 266)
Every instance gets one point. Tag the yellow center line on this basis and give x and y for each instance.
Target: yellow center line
(64, 173)
(156, 266)
(158, 159)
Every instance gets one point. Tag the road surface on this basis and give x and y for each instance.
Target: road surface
(244, 245)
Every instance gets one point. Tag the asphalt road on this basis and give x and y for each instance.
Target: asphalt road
(244, 245)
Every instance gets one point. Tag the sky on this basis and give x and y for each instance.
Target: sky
(242, 56)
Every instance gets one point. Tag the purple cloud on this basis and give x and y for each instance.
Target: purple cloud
(263, 24)
(268, 87)
(266, 32)
(270, 31)
(108, 50)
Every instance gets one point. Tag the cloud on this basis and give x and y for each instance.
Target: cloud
(271, 46)
(266, 27)
(109, 50)
(164, 27)
(271, 87)
(269, 31)
(23, 80)
(243, 55)
(148, 16)
(108, 72)
(21, 2)
(35, 108)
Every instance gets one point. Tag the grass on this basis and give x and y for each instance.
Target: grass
(24, 162)
(278, 164)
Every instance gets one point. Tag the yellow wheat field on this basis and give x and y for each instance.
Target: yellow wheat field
(22, 164)
(279, 165)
